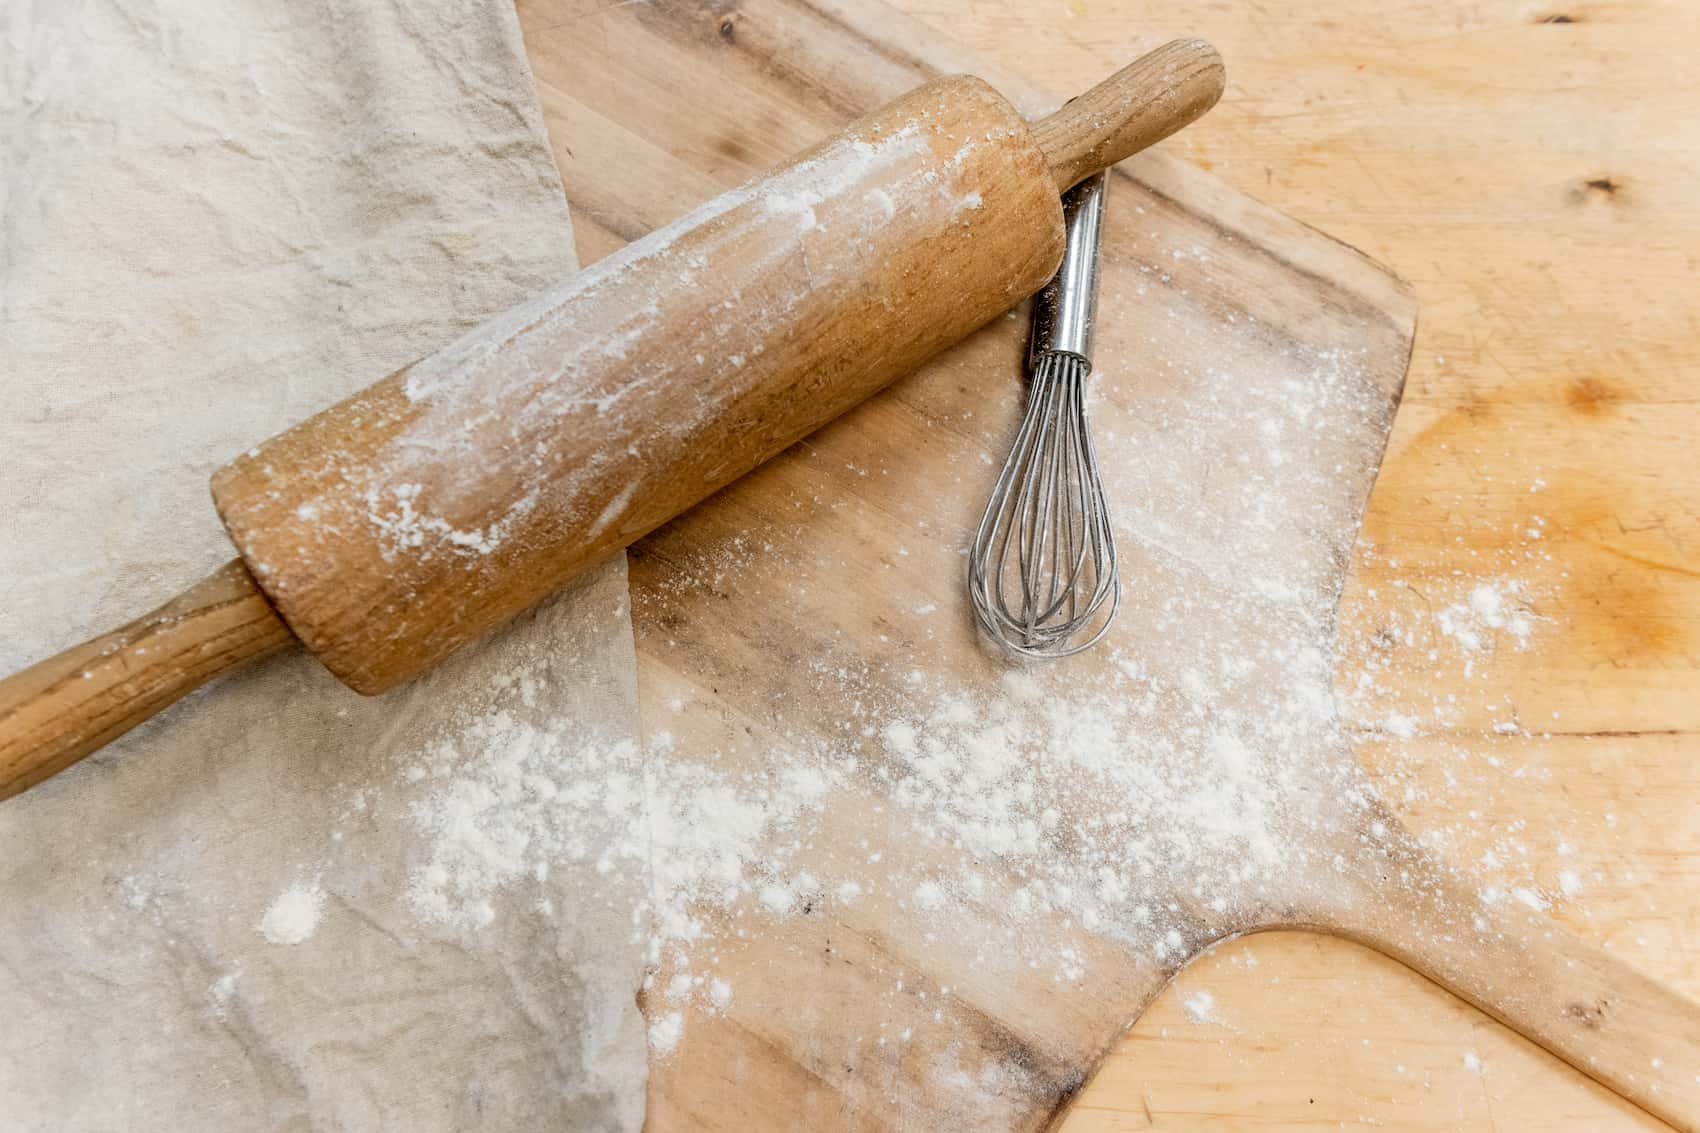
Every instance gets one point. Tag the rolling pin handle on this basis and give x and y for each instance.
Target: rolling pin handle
(57, 711)
(1136, 107)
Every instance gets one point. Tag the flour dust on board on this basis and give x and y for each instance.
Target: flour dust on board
(1174, 798)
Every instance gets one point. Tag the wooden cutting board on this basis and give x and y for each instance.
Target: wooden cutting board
(768, 617)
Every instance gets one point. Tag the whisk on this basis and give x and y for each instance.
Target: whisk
(1042, 574)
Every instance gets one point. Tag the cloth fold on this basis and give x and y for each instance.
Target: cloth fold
(281, 905)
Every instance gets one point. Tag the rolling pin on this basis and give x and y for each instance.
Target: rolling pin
(416, 516)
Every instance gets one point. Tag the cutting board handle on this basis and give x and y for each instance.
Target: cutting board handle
(55, 712)
(1138, 106)
(1631, 1034)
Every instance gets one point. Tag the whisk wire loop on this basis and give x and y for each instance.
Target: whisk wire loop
(1043, 576)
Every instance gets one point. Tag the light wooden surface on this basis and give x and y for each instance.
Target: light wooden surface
(1530, 169)
(611, 210)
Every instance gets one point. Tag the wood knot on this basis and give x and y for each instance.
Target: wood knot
(1558, 18)
(1604, 189)
(1589, 1017)
(728, 27)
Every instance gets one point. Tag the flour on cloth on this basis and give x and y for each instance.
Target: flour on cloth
(218, 219)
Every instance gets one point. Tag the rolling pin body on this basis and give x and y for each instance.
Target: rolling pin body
(391, 529)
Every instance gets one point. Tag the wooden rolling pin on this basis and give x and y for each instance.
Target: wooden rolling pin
(397, 526)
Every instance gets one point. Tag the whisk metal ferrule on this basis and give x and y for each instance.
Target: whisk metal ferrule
(1064, 311)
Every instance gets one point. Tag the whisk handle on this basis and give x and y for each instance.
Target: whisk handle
(1065, 308)
(1138, 106)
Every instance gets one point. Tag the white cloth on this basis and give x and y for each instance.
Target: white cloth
(216, 219)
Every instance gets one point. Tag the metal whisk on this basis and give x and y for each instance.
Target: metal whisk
(1042, 574)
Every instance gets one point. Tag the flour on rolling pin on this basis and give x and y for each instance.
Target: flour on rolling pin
(853, 185)
(436, 504)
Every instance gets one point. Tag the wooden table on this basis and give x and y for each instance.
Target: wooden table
(1531, 171)
(1531, 168)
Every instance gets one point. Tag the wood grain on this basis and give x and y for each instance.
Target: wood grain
(765, 31)
(57, 711)
(1509, 160)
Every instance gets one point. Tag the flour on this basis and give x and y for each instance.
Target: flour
(509, 801)
(1162, 800)
(1487, 607)
(506, 391)
(505, 800)
(664, 1032)
(294, 916)
(1200, 1007)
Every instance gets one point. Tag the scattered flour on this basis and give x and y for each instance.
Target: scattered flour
(1200, 1007)
(1163, 803)
(294, 916)
(664, 1033)
(1489, 607)
(506, 800)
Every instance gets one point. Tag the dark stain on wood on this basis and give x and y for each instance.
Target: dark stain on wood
(1631, 617)
(1606, 189)
(1648, 561)
(1589, 1016)
(1558, 18)
(1066, 1091)
(731, 147)
(1620, 549)
(1622, 733)
(1592, 397)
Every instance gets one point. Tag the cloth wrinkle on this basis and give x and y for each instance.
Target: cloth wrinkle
(217, 220)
